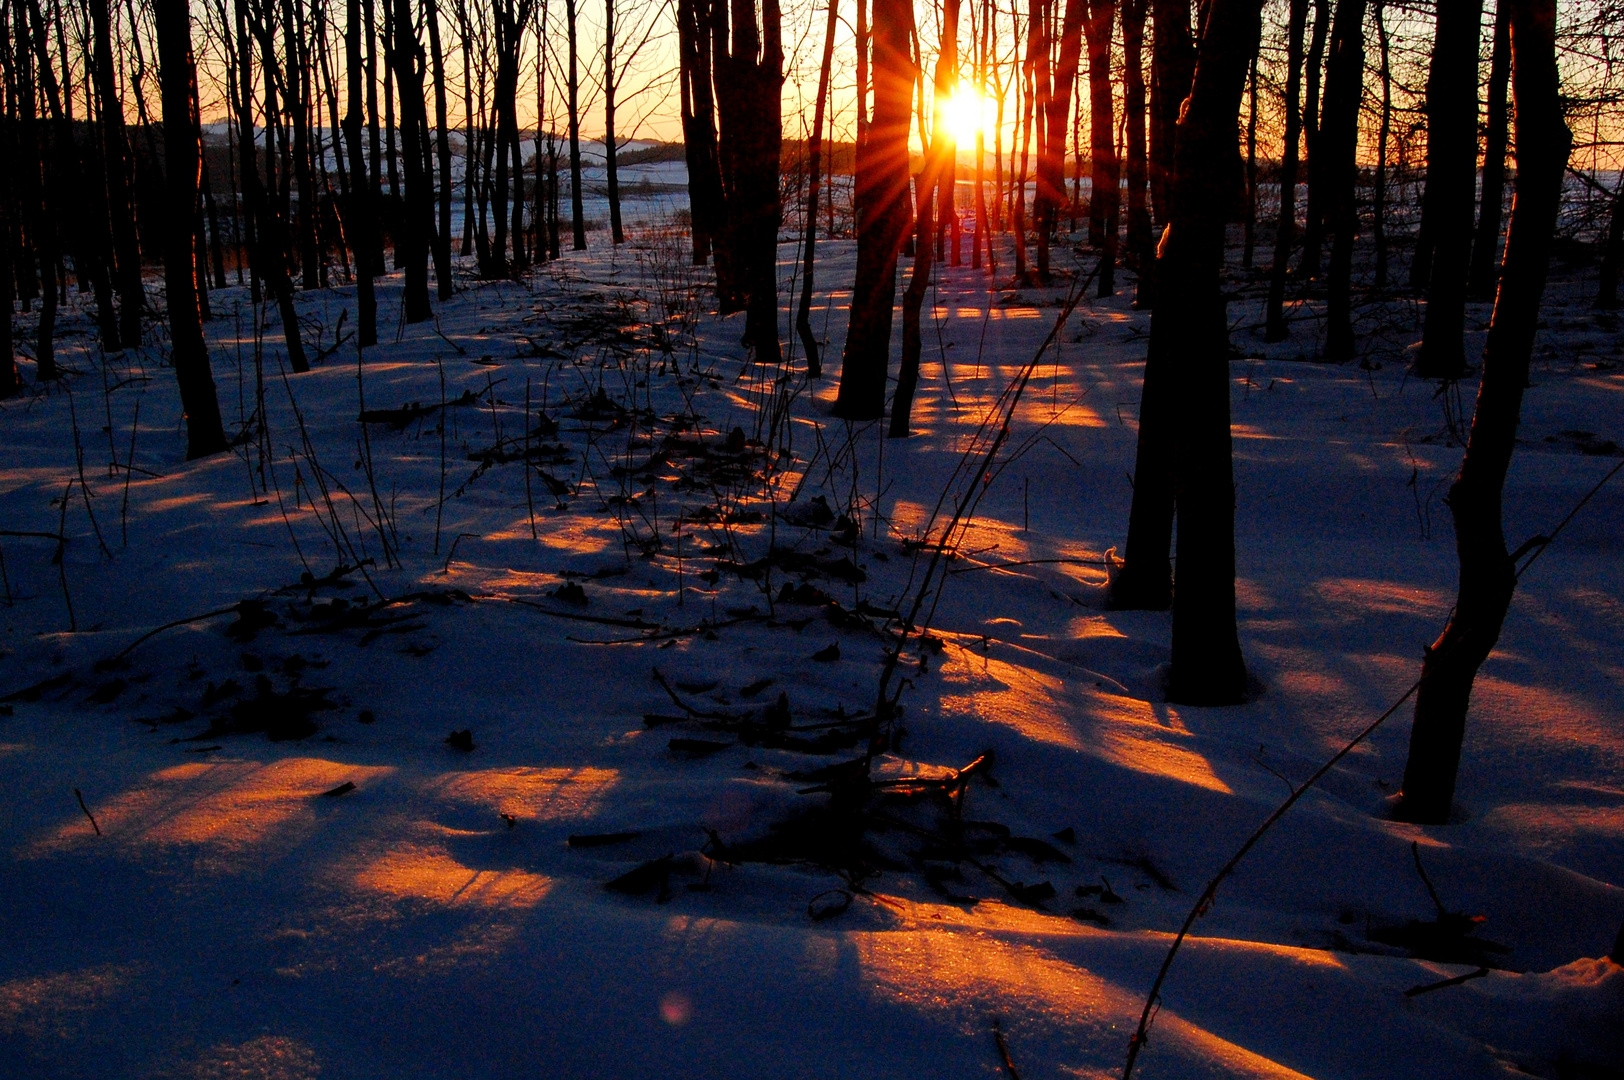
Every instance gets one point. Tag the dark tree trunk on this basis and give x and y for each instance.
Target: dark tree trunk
(1184, 452)
(37, 204)
(1172, 65)
(694, 19)
(115, 163)
(1451, 186)
(748, 86)
(814, 173)
(937, 156)
(882, 191)
(269, 250)
(577, 213)
(1314, 231)
(617, 232)
(1484, 274)
(442, 235)
(188, 354)
(364, 216)
(296, 92)
(1286, 228)
(1053, 112)
(1488, 573)
(412, 249)
(1378, 210)
(1249, 223)
(10, 383)
(1338, 152)
(1612, 259)
(1206, 667)
(1141, 245)
(1102, 148)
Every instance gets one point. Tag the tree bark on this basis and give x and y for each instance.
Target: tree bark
(1451, 185)
(269, 250)
(1172, 65)
(1286, 228)
(617, 232)
(577, 212)
(364, 219)
(1378, 210)
(1313, 232)
(1488, 573)
(442, 236)
(116, 166)
(1206, 668)
(1338, 150)
(1612, 259)
(882, 191)
(937, 155)
(814, 173)
(411, 251)
(188, 354)
(705, 200)
(1141, 245)
(1483, 277)
(1102, 148)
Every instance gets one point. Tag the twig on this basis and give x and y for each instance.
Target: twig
(86, 809)
(1205, 900)
(1427, 988)
(1003, 1051)
(122, 653)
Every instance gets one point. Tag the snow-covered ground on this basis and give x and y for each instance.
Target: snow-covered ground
(229, 913)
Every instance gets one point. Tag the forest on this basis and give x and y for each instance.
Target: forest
(1008, 538)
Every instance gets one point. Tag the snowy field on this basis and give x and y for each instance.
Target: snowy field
(482, 669)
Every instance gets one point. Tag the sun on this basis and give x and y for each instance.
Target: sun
(965, 113)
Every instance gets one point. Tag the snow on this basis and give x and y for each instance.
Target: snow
(231, 919)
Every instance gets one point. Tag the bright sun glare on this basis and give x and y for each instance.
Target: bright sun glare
(966, 114)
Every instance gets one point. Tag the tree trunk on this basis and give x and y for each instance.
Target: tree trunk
(1339, 153)
(1488, 573)
(1612, 259)
(364, 219)
(1286, 228)
(617, 232)
(814, 173)
(1451, 185)
(1189, 318)
(270, 247)
(1313, 232)
(937, 156)
(1172, 65)
(1378, 210)
(1249, 224)
(188, 353)
(882, 191)
(577, 212)
(1141, 245)
(705, 200)
(442, 236)
(411, 251)
(1101, 128)
(116, 166)
(1486, 244)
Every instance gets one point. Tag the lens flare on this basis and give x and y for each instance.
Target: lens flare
(964, 113)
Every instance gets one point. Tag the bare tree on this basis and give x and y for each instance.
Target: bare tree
(188, 353)
(1488, 573)
(1451, 184)
(882, 192)
(1484, 274)
(1339, 145)
(1286, 225)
